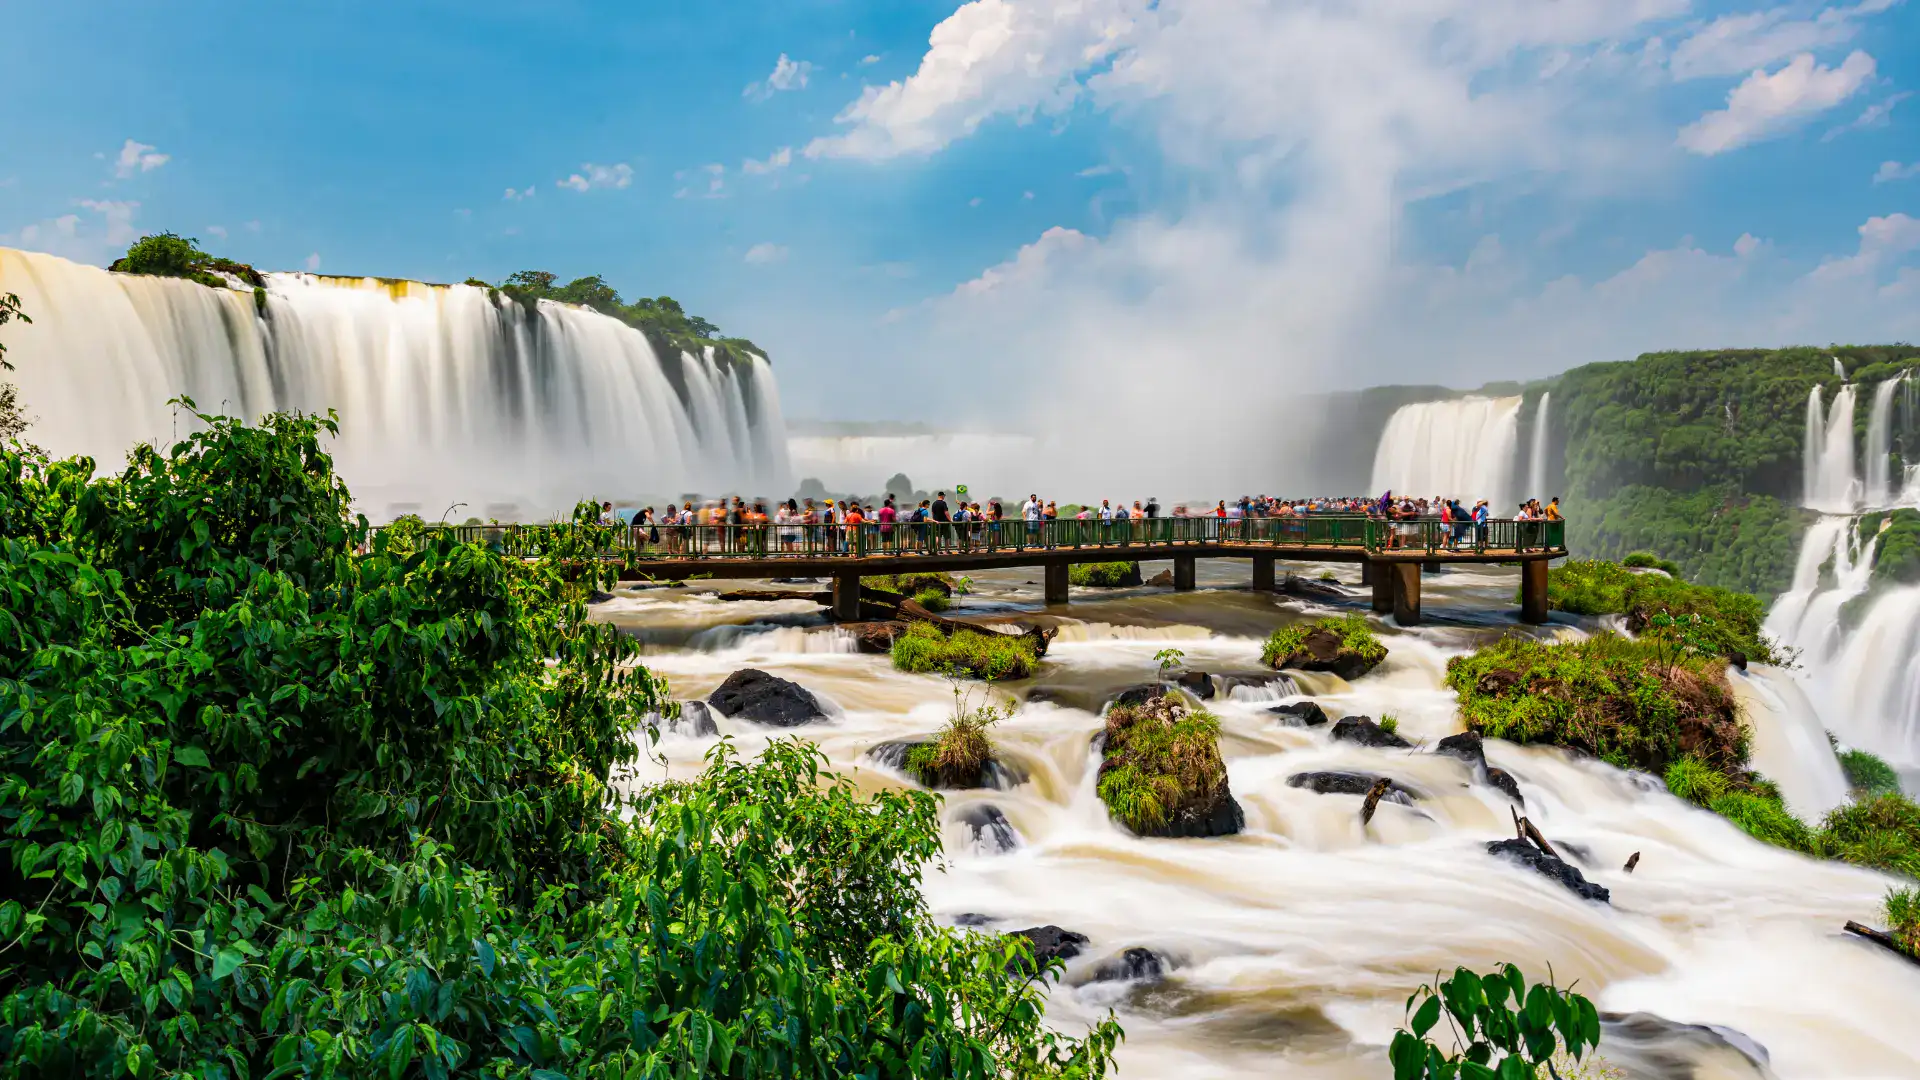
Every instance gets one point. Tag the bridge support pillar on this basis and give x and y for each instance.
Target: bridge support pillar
(1366, 572)
(1406, 593)
(846, 596)
(1533, 591)
(1382, 582)
(1056, 583)
(1430, 567)
(1183, 566)
(1263, 573)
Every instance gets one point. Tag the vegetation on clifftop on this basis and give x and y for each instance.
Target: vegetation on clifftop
(171, 255)
(1728, 622)
(667, 325)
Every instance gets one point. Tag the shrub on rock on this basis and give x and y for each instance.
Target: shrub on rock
(1161, 773)
(981, 654)
(1343, 644)
(1105, 575)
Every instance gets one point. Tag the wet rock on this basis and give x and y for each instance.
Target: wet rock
(1644, 1044)
(1163, 579)
(972, 918)
(994, 774)
(1301, 713)
(597, 597)
(875, 637)
(1502, 779)
(752, 694)
(1134, 965)
(695, 719)
(1736, 658)
(1519, 851)
(1138, 695)
(1223, 817)
(991, 829)
(1311, 588)
(1197, 683)
(1051, 943)
(1190, 777)
(1362, 730)
(1467, 746)
(1349, 783)
(1325, 650)
(796, 580)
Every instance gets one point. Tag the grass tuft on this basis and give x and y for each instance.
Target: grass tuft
(1902, 909)
(1104, 575)
(1356, 636)
(1869, 776)
(1160, 757)
(960, 752)
(975, 653)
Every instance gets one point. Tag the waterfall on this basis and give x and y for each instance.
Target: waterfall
(1880, 489)
(446, 393)
(1827, 460)
(1462, 447)
(1839, 370)
(1537, 455)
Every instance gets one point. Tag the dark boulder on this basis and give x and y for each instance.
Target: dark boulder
(1300, 713)
(1134, 965)
(1325, 650)
(1051, 943)
(990, 828)
(1222, 817)
(1197, 683)
(752, 694)
(1362, 730)
(1311, 589)
(1736, 658)
(595, 596)
(972, 918)
(1467, 746)
(1524, 853)
(1503, 780)
(1138, 695)
(1348, 783)
(1163, 579)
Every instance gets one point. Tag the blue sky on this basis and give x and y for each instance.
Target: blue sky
(930, 209)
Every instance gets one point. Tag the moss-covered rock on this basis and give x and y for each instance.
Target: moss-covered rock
(1344, 645)
(981, 654)
(1105, 575)
(1161, 773)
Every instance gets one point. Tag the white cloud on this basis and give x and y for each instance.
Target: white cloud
(788, 74)
(1893, 170)
(313, 263)
(1765, 105)
(137, 157)
(1029, 263)
(975, 201)
(765, 254)
(870, 58)
(516, 194)
(1734, 44)
(1747, 245)
(1873, 116)
(218, 232)
(118, 216)
(597, 176)
(98, 237)
(1097, 170)
(714, 177)
(776, 161)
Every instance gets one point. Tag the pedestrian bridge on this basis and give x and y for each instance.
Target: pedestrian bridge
(1391, 553)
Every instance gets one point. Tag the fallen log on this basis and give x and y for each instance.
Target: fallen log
(1380, 788)
(1532, 835)
(825, 599)
(1882, 939)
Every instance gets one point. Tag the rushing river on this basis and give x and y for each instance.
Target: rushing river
(1294, 944)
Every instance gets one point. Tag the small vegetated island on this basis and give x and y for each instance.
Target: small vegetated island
(1161, 773)
(1342, 644)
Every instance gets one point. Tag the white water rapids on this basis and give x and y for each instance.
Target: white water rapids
(1294, 944)
(445, 393)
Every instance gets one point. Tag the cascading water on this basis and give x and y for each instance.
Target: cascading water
(1827, 458)
(1461, 447)
(446, 393)
(1881, 489)
(1537, 454)
(1289, 950)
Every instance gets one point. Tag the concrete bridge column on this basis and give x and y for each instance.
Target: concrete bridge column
(1406, 593)
(1263, 573)
(1366, 572)
(1183, 572)
(846, 596)
(1381, 575)
(1056, 583)
(1533, 591)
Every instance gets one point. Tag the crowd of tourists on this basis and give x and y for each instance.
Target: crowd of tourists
(837, 524)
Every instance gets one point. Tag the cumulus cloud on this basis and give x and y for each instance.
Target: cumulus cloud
(707, 182)
(593, 176)
(1893, 170)
(1764, 105)
(137, 157)
(870, 58)
(1873, 116)
(765, 253)
(1737, 43)
(218, 232)
(788, 74)
(97, 237)
(517, 194)
(776, 161)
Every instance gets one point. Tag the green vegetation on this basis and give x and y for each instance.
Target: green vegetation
(932, 599)
(1879, 831)
(1499, 1026)
(1763, 816)
(1389, 723)
(1896, 560)
(960, 752)
(1622, 701)
(1356, 637)
(668, 327)
(1729, 622)
(171, 255)
(278, 806)
(1105, 575)
(981, 654)
(1867, 775)
(13, 422)
(1882, 832)
(1160, 757)
(1902, 911)
(1647, 560)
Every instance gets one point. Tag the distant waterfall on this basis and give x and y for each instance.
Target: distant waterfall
(1537, 453)
(1462, 447)
(446, 393)
(1880, 486)
(1827, 461)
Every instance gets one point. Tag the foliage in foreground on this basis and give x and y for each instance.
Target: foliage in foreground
(1623, 701)
(274, 806)
(13, 422)
(982, 654)
(1159, 758)
(1902, 911)
(1501, 1028)
(1730, 621)
(1356, 636)
(1104, 575)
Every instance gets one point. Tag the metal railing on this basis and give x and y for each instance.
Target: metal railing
(772, 540)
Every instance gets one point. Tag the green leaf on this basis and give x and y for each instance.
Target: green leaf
(1408, 1054)
(226, 962)
(190, 755)
(1426, 1016)
(485, 954)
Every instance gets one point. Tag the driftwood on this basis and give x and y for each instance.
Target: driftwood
(1633, 861)
(1881, 938)
(1374, 794)
(1528, 833)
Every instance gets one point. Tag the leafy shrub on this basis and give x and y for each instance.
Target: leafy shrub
(1867, 775)
(960, 752)
(932, 599)
(1763, 818)
(1882, 833)
(1159, 757)
(1499, 1026)
(1607, 696)
(1902, 910)
(982, 654)
(1647, 560)
(1732, 620)
(1356, 636)
(278, 805)
(1105, 575)
(171, 255)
